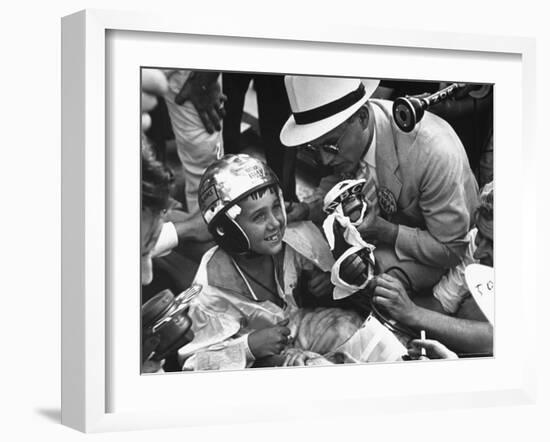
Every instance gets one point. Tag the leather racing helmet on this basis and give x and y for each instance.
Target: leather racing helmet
(224, 183)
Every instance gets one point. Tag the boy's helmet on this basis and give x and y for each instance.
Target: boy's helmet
(224, 183)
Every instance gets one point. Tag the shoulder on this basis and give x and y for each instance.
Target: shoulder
(306, 243)
(221, 272)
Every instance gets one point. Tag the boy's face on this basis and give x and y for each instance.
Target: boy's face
(151, 225)
(484, 241)
(263, 220)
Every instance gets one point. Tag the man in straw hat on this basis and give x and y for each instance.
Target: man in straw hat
(422, 192)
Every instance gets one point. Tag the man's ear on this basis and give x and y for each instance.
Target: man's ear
(363, 115)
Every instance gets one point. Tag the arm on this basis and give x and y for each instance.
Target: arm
(463, 335)
(204, 91)
(447, 196)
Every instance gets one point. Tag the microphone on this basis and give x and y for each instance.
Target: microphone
(409, 110)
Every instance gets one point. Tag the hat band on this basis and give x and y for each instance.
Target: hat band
(330, 109)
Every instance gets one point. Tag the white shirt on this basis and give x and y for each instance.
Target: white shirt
(368, 162)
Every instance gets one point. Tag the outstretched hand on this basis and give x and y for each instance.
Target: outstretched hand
(204, 91)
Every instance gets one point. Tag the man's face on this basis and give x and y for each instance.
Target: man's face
(484, 241)
(263, 220)
(342, 147)
(151, 225)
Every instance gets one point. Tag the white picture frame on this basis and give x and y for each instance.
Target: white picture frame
(88, 208)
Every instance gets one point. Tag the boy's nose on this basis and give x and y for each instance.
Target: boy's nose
(273, 221)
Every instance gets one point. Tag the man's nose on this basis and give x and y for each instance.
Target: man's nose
(324, 157)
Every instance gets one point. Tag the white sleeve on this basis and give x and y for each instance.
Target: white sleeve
(451, 290)
(168, 239)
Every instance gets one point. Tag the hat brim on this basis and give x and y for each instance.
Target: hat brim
(294, 135)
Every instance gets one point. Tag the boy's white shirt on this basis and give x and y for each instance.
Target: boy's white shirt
(167, 240)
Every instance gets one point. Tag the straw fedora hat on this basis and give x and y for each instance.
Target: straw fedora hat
(319, 104)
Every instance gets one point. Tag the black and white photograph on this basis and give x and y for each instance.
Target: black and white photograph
(298, 221)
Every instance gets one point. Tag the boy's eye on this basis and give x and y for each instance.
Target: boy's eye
(259, 217)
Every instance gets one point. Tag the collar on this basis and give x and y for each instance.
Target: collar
(370, 156)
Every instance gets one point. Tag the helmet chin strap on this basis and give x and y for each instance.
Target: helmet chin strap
(283, 208)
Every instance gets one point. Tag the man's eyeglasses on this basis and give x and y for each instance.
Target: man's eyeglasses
(330, 148)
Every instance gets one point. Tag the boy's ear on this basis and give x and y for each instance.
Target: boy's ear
(230, 236)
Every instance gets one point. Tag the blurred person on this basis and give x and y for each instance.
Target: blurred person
(273, 111)
(156, 183)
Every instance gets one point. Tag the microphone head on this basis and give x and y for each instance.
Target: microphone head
(407, 112)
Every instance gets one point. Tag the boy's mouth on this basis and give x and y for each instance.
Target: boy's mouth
(273, 238)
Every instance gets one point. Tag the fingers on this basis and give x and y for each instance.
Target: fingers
(384, 293)
(284, 331)
(145, 121)
(154, 81)
(378, 300)
(286, 361)
(435, 349)
(386, 280)
(212, 113)
(183, 94)
(203, 115)
(148, 102)
(320, 283)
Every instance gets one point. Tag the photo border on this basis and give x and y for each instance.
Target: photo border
(85, 200)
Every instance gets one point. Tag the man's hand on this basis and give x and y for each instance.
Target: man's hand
(295, 357)
(204, 91)
(269, 341)
(374, 229)
(434, 350)
(390, 294)
(319, 284)
(296, 211)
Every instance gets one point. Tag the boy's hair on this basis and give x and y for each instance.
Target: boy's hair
(485, 208)
(260, 193)
(156, 182)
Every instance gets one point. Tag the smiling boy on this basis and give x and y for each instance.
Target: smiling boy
(248, 280)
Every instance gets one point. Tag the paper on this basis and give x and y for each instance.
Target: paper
(374, 343)
(229, 358)
(481, 283)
